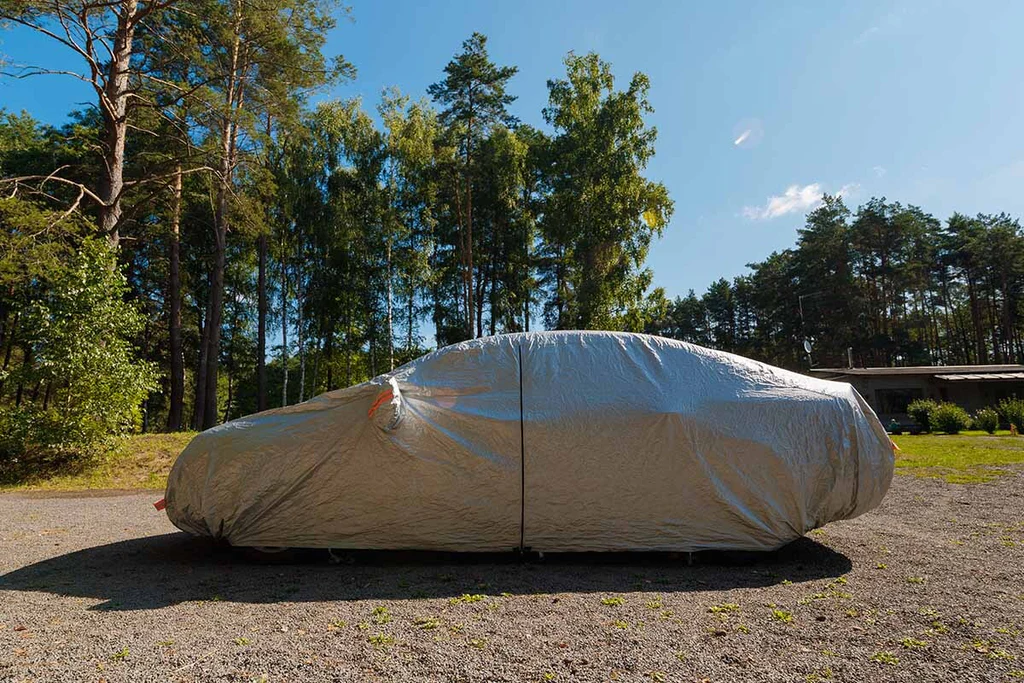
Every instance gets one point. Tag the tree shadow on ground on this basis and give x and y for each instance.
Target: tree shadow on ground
(157, 571)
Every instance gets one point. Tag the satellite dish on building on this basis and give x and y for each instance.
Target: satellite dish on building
(807, 345)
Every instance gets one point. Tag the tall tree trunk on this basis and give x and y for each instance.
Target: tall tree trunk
(390, 312)
(114, 110)
(284, 330)
(261, 327)
(229, 137)
(199, 405)
(300, 332)
(177, 398)
(216, 310)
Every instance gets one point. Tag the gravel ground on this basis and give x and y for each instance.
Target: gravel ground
(929, 587)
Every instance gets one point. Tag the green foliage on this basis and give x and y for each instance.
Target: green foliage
(949, 418)
(1012, 410)
(77, 339)
(602, 213)
(987, 419)
(921, 410)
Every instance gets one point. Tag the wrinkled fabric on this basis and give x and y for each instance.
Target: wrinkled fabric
(550, 441)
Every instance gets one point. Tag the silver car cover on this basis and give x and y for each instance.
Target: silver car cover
(552, 441)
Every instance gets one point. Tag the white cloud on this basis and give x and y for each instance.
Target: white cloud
(743, 136)
(794, 199)
(848, 190)
(879, 170)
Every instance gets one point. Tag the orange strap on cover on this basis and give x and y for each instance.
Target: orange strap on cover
(160, 504)
(386, 396)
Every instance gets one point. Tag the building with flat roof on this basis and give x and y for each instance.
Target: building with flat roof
(890, 390)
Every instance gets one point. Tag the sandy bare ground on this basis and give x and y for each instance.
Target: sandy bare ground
(929, 587)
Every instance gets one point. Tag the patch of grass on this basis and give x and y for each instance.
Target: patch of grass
(968, 458)
(426, 623)
(478, 643)
(653, 604)
(782, 615)
(381, 640)
(381, 615)
(915, 579)
(139, 461)
(885, 658)
(619, 623)
(911, 643)
(120, 655)
(724, 607)
(613, 602)
(467, 597)
(242, 641)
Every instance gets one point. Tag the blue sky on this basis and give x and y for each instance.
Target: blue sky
(919, 102)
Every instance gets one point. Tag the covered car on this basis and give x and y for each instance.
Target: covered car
(547, 441)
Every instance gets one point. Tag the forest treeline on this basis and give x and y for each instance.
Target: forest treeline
(885, 285)
(213, 236)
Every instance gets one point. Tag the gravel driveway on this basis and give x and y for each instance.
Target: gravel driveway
(929, 587)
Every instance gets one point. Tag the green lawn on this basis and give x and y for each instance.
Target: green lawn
(969, 457)
(141, 461)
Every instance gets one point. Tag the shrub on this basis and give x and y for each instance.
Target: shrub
(1012, 409)
(81, 332)
(950, 418)
(921, 411)
(987, 419)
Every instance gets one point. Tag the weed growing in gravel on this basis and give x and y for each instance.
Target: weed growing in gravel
(619, 623)
(242, 641)
(937, 628)
(782, 615)
(120, 655)
(1000, 654)
(653, 604)
(550, 676)
(981, 646)
(381, 615)
(613, 602)
(656, 675)
(336, 625)
(928, 612)
(881, 565)
(742, 628)
(363, 626)
(885, 658)
(824, 675)
(852, 613)
(381, 640)
(911, 643)
(724, 607)
(478, 643)
(467, 597)
(165, 643)
(681, 656)
(426, 623)
(786, 582)
(915, 579)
